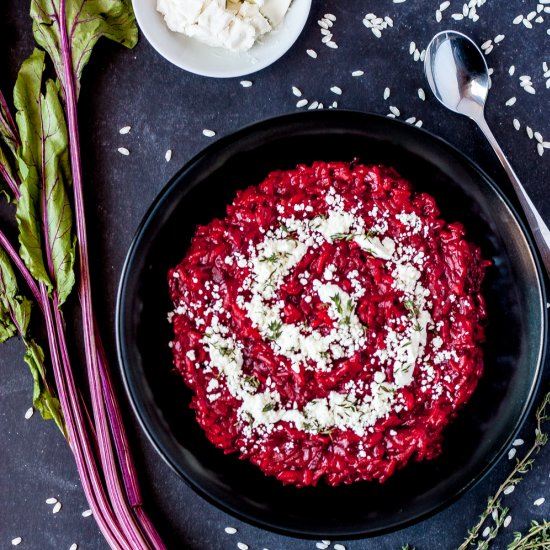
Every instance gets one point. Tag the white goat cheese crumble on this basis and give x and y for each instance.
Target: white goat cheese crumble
(231, 24)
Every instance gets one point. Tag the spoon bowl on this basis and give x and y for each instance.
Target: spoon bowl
(457, 73)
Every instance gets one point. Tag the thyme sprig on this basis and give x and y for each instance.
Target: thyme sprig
(516, 475)
(537, 537)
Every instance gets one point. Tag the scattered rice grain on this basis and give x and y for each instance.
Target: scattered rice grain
(457, 16)
(395, 110)
(357, 73)
(411, 120)
(168, 155)
(246, 83)
(540, 149)
(123, 151)
(336, 90)
(16, 541)
(539, 501)
(418, 124)
(444, 5)
(51, 500)
(301, 103)
(56, 508)
(517, 126)
(507, 521)
(296, 91)
(313, 105)
(538, 137)
(529, 132)
(499, 38)
(518, 442)
(230, 530)
(125, 130)
(332, 45)
(527, 23)
(73, 546)
(322, 24)
(486, 532)
(509, 490)
(529, 89)
(312, 53)
(421, 94)
(86, 513)
(511, 70)
(330, 16)
(511, 101)
(517, 20)
(242, 546)
(386, 93)
(208, 133)
(29, 413)
(438, 16)
(339, 547)
(321, 546)
(511, 453)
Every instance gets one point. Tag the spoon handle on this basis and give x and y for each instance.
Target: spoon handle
(540, 230)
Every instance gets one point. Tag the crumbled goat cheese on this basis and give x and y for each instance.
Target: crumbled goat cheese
(233, 24)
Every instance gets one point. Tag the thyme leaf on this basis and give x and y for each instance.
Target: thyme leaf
(275, 330)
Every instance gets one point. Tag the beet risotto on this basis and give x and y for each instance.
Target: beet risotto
(330, 326)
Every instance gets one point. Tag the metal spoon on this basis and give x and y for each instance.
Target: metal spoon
(458, 76)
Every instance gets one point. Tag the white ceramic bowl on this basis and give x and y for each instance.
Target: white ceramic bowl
(198, 58)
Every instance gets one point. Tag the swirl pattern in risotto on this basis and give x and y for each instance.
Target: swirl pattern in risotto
(330, 326)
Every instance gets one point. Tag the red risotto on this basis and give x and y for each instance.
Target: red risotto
(330, 326)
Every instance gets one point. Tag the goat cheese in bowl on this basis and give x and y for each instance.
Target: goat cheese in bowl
(234, 25)
(222, 38)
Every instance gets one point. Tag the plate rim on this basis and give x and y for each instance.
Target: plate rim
(139, 413)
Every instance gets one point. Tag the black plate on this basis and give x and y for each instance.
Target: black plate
(513, 351)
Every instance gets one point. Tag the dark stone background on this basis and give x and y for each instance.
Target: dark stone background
(168, 108)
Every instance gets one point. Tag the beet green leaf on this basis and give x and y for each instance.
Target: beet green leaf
(45, 172)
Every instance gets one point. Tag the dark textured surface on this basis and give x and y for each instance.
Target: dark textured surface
(168, 108)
